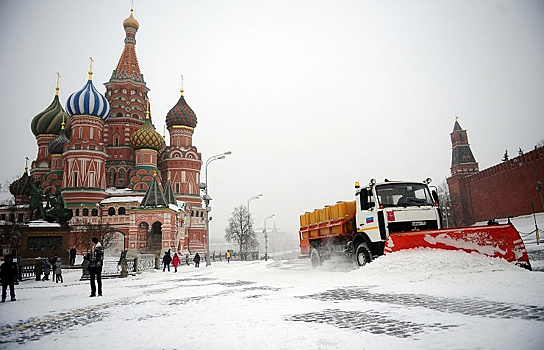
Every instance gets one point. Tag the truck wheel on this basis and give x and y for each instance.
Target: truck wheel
(315, 257)
(362, 254)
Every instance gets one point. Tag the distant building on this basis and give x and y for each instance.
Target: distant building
(113, 168)
(506, 189)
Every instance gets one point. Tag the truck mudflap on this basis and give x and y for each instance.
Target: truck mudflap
(497, 241)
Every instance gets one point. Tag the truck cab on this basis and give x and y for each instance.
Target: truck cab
(388, 207)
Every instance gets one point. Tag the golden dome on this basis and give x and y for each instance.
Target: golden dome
(131, 21)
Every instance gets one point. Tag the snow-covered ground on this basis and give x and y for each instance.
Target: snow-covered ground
(418, 299)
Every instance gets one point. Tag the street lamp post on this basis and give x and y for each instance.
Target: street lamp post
(207, 200)
(266, 237)
(248, 221)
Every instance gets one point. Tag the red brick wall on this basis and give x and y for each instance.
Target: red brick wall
(506, 189)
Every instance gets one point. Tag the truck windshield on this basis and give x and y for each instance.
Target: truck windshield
(403, 195)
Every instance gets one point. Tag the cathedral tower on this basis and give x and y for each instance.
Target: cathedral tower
(85, 157)
(126, 92)
(181, 158)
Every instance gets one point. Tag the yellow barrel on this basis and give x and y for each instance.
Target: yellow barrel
(334, 212)
(351, 208)
(324, 214)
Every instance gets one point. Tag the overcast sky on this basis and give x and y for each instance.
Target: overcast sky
(310, 96)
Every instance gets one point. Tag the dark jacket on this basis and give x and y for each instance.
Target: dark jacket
(196, 259)
(166, 259)
(8, 271)
(97, 256)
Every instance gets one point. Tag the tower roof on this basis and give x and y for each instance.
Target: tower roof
(128, 67)
(56, 146)
(181, 114)
(169, 193)
(21, 186)
(88, 101)
(147, 137)
(131, 21)
(49, 120)
(154, 197)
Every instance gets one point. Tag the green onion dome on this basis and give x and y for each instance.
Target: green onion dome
(49, 121)
(21, 186)
(147, 137)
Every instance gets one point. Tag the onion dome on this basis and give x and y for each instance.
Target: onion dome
(56, 146)
(21, 186)
(147, 137)
(49, 121)
(181, 114)
(131, 21)
(88, 101)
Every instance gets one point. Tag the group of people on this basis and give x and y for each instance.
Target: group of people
(167, 259)
(55, 267)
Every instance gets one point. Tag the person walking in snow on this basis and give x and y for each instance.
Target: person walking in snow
(8, 275)
(95, 266)
(196, 259)
(228, 257)
(175, 262)
(54, 267)
(46, 269)
(166, 260)
(73, 253)
(58, 271)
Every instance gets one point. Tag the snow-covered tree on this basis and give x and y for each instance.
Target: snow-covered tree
(240, 230)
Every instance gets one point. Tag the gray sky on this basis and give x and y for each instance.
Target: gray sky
(310, 96)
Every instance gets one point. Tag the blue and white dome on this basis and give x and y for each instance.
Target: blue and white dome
(88, 101)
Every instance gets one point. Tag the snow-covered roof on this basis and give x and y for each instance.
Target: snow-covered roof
(124, 199)
(41, 223)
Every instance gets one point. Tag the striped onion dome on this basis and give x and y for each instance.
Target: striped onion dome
(49, 121)
(147, 137)
(181, 114)
(88, 101)
(56, 146)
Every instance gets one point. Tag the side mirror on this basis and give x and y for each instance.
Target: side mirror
(435, 196)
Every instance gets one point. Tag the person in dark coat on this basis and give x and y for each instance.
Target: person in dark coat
(46, 269)
(196, 259)
(166, 260)
(73, 253)
(96, 261)
(8, 274)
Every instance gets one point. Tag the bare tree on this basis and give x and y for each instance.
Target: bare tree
(240, 230)
(82, 235)
(450, 207)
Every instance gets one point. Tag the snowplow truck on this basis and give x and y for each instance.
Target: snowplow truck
(396, 215)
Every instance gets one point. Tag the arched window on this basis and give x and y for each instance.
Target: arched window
(156, 228)
(122, 211)
(111, 211)
(121, 174)
(94, 212)
(85, 212)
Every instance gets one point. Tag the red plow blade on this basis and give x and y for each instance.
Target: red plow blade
(497, 241)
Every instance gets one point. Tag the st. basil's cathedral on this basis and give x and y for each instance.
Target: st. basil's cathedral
(114, 169)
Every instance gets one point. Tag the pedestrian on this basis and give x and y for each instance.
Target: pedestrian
(166, 260)
(38, 267)
(228, 257)
(46, 269)
(58, 271)
(95, 266)
(8, 274)
(175, 262)
(53, 267)
(73, 253)
(196, 259)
